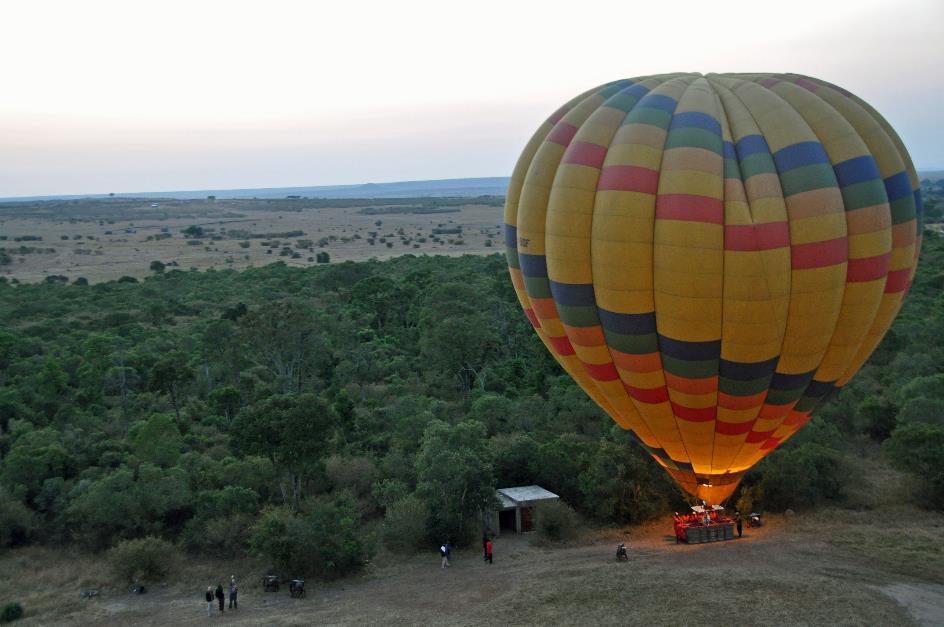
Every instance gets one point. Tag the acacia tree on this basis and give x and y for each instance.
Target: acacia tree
(169, 375)
(457, 333)
(455, 477)
(291, 431)
(281, 337)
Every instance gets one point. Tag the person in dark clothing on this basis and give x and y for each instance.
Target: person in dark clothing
(209, 600)
(738, 523)
(485, 545)
(220, 596)
(488, 551)
(232, 593)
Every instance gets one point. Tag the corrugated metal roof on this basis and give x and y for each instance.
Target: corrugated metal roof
(506, 503)
(526, 494)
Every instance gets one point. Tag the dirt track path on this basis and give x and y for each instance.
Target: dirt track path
(772, 576)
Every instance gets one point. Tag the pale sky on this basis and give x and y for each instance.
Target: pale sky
(133, 95)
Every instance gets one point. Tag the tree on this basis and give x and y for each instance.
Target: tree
(169, 375)
(157, 267)
(918, 448)
(619, 485)
(226, 401)
(281, 337)
(157, 440)
(455, 478)
(323, 542)
(456, 335)
(291, 431)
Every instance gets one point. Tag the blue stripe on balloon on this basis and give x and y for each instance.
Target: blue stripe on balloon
(628, 324)
(696, 119)
(856, 170)
(898, 186)
(573, 294)
(799, 155)
(751, 145)
(533, 265)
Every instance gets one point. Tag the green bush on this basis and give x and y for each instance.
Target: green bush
(404, 526)
(16, 521)
(144, 559)
(11, 612)
(918, 449)
(556, 521)
(801, 477)
(323, 542)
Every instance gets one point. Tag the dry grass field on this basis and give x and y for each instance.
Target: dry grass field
(834, 567)
(103, 240)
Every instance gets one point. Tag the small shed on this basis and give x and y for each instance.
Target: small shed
(516, 508)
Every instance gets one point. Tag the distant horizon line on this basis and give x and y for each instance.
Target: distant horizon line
(429, 185)
(483, 182)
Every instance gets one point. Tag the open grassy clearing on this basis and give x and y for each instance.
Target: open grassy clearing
(104, 240)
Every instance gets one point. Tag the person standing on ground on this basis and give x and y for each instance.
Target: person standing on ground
(209, 600)
(488, 551)
(485, 545)
(738, 523)
(220, 596)
(444, 553)
(232, 592)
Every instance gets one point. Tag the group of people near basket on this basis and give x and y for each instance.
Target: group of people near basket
(220, 596)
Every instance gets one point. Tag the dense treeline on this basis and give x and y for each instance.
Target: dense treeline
(307, 413)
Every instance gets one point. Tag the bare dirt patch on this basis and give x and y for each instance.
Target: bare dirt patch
(797, 572)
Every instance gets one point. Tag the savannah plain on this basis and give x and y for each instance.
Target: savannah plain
(106, 239)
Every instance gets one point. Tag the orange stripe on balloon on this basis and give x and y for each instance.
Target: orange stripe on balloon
(649, 362)
(691, 386)
(775, 411)
(729, 401)
(544, 308)
(585, 336)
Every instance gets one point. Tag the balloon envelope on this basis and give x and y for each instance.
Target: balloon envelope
(712, 257)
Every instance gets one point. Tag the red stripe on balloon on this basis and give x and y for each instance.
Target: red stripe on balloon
(532, 317)
(797, 418)
(750, 237)
(868, 268)
(770, 444)
(562, 134)
(690, 207)
(628, 178)
(648, 395)
(694, 414)
(602, 372)
(585, 153)
(561, 345)
(758, 436)
(558, 115)
(819, 254)
(897, 281)
(733, 428)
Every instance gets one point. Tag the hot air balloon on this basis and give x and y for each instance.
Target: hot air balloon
(711, 257)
